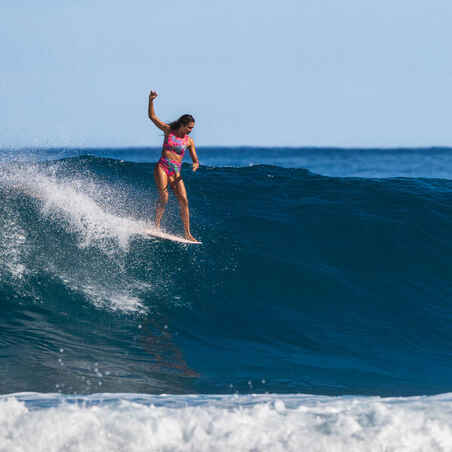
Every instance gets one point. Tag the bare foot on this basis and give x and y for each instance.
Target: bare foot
(188, 236)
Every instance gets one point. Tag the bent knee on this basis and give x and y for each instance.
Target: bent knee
(163, 197)
(183, 201)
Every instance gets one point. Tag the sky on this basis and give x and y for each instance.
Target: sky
(349, 73)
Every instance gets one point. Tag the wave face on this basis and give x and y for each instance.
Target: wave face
(304, 283)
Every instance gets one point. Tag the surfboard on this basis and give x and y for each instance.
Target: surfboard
(155, 233)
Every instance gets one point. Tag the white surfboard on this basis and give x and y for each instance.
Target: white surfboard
(155, 233)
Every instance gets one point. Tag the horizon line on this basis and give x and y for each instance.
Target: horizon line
(292, 147)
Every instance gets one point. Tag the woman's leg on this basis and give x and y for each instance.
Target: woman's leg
(161, 180)
(179, 189)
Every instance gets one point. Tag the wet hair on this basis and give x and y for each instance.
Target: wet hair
(184, 120)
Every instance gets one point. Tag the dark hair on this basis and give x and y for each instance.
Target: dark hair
(184, 120)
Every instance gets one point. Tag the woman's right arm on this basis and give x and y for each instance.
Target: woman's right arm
(152, 116)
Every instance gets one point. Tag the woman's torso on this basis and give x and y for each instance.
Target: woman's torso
(174, 147)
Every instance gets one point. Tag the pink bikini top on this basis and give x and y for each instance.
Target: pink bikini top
(175, 144)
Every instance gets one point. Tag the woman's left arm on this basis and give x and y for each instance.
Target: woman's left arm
(193, 155)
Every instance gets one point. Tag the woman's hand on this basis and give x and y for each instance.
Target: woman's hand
(153, 95)
(195, 166)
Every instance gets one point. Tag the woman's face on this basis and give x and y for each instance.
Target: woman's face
(188, 128)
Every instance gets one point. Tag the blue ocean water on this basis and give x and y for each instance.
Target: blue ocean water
(323, 272)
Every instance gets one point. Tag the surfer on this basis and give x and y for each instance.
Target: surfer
(168, 168)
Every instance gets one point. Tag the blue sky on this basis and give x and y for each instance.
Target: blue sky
(263, 73)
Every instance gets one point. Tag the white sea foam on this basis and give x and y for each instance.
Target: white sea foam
(84, 203)
(119, 422)
(89, 210)
(13, 248)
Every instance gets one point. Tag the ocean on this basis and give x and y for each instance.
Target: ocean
(314, 316)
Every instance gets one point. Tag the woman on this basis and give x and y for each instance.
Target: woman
(167, 170)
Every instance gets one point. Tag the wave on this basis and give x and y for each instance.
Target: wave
(304, 283)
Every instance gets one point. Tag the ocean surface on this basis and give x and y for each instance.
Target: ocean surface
(315, 316)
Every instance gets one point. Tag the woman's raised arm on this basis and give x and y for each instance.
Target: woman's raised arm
(153, 117)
